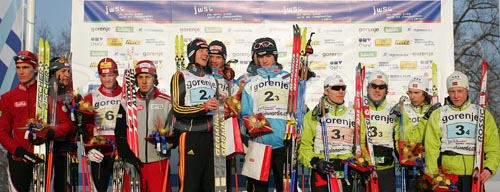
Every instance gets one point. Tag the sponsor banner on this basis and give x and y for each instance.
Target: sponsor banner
(365, 32)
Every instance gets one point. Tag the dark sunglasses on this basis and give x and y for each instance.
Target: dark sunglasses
(375, 86)
(338, 87)
(24, 58)
(262, 44)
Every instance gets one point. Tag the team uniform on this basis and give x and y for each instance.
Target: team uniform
(267, 93)
(450, 142)
(152, 114)
(106, 103)
(16, 108)
(340, 129)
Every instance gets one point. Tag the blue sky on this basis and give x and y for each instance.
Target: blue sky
(56, 13)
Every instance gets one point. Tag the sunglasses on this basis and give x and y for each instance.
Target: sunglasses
(375, 86)
(338, 87)
(262, 44)
(24, 58)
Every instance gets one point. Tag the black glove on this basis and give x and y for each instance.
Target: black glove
(395, 110)
(321, 165)
(431, 109)
(310, 74)
(318, 111)
(27, 156)
(50, 134)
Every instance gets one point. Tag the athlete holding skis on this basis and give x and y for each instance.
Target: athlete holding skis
(340, 131)
(227, 86)
(17, 107)
(271, 82)
(106, 101)
(153, 109)
(65, 147)
(382, 129)
(193, 92)
(450, 136)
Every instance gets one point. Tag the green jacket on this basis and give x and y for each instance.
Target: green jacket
(414, 131)
(460, 164)
(395, 136)
(306, 149)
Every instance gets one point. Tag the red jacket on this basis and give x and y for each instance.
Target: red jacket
(16, 108)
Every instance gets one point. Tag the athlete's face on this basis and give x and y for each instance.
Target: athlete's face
(108, 80)
(458, 95)
(377, 90)
(335, 94)
(145, 82)
(26, 73)
(417, 96)
(216, 61)
(266, 60)
(63, 75)
(201, 57)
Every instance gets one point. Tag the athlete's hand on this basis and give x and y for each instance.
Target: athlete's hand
(27, 156)
(95, 156)
(212, 104)
(485, 175)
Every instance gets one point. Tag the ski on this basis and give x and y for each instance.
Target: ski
(435, 98)
(179, 52)
(129, 96)
(373, 180)
(219, 146)
(399, 168)
(477, 185)
(117, 176)
(333, 183)
(291, 117)
(42, 114)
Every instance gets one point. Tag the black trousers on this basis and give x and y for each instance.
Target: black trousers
(196, 159)
(21, 174)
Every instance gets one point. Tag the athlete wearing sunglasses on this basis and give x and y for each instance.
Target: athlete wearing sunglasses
(339, 120)
(382, 129)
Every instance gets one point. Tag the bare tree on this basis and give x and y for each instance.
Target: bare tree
(60, 40)
(476, 33)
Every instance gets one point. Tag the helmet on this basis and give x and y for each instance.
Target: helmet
(217, 47)
(57, 63)
(107, 66)
(265, 45)
(193, 46)
(26, 57)
(145, 66)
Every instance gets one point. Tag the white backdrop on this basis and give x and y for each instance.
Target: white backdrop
(402, 38)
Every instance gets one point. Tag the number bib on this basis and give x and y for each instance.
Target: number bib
(382, 128)
(107, 109)
(458, 130)
(198, 89)
(340, 132)
(270, 96)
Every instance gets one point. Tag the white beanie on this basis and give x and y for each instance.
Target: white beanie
(333, 80)
(419, 82)
(457, 79)
(378, 75)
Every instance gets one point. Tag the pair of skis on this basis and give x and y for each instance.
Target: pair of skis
(296, 103)
(219, 131)
(477, 185)
(179, 52)
(361, 107)
(130, 98)
(333, 183)
(41, 176)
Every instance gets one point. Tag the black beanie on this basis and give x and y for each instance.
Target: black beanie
(193, 46)
(57, 63)
(217, 47)
(265, 45)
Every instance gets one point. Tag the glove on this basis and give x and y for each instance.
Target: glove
(27, 156)
(310, 74)
(228, 73)
(95, 156)
(396, 110)
(318, 112)
(431, 109)
(321, 165)
(131, 169)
